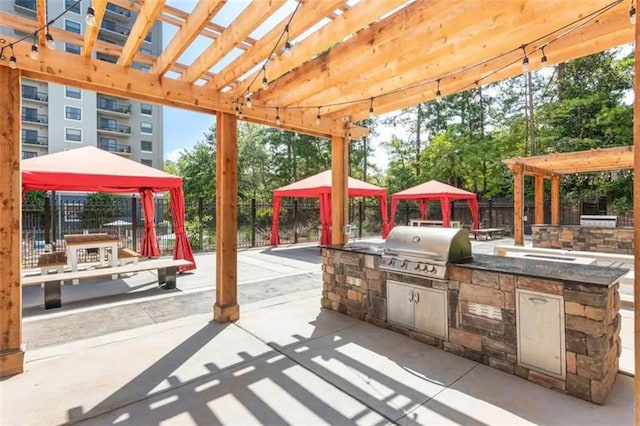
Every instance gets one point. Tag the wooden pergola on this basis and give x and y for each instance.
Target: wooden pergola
(348, 59)
(553, 167)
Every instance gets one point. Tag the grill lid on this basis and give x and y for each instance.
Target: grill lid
(429, 243)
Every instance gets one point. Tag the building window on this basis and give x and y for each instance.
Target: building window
(31, 114)
(29, 92)
(29, 136)
(144, 49)
(147, 162)
(146, 109)
(29, 154)
(72, 48)
(73, 113)
(72, 27)
(73, 135)
(144, 68)
(146, 127)
(146, 146)
(109, 144)
(108, 124)
(73, 92)
(73, 5)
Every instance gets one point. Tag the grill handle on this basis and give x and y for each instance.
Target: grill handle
(410, 296)
(416, 298)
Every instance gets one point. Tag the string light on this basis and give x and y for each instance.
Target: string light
(371, 114)
(632, 14)
(265, 82)
(287, 45)
(278, 116)
(438, 93)
(51, 45)
(13, 64)
(249, 102)
(318, 119)
(543, 59)
(34, 54)
(91, 17)
(525, 61)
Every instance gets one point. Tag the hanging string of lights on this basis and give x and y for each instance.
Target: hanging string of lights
(50, 43)
(527, 51)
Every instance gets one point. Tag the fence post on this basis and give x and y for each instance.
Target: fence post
(406, 212)
(295, 221)
(54, 222)
(47, 218)
(200, 221)
(253, 222)
(360, 219)
(134, 223)
(490, 213)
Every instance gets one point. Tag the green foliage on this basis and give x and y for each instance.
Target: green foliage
(100, 208)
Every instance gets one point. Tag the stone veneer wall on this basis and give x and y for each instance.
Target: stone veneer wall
(355, 286)
(583, 238)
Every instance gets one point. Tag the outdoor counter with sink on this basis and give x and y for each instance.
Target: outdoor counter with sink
(553, 323)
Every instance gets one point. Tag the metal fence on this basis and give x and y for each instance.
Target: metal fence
(299, 221)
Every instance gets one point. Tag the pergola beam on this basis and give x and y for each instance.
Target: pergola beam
(192, 27)
(145, 20)
(244, 24)
(41, 20)
(91, 32)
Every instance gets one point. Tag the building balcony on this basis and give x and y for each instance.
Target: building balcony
(115, 129)
(113, 32)
(35, 96)
(35, 118)
(116, 148)
(38, 140)
(111, 107)
(117, 12)
(28, 6)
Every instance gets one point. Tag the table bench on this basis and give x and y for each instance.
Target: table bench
(488, 233)
(167, 272)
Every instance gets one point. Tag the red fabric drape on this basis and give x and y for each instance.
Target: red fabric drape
(183, 247)
(446, 211)
(423, 208)
(325, 219)
(274, 221)
(382, 200)
(473, 206)
(394, 207)
(149, 246)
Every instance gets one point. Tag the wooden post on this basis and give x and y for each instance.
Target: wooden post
(518, 204)
(339, 191)
(555, 200)
(11, 350)
(539, 200)
(226, 308)
(636, 220)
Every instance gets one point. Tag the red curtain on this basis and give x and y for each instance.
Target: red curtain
(423, 208)
(183, 248)
(446, 211)
(473, 206)
(274, 222)
(149, 246)
(325, 219)
(382, 200)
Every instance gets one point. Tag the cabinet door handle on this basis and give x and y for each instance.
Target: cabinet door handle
(416, 298)
(410, 296)
(538, 300)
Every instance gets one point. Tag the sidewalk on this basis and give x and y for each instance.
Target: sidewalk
(286, 361)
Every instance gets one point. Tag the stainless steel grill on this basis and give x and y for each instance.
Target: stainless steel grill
(425, 251)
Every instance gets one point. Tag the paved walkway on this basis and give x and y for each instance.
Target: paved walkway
(285, 362)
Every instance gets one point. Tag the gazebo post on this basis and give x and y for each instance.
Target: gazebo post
(226, 307)
(555, 200)
(339, 191)
(11, 351)
(518, 204)
(539, 199)
(636, 219)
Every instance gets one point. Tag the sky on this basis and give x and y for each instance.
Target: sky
(183, 129)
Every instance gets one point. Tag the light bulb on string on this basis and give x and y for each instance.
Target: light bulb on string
(34, 54)
(632, 14)
(318, 119)
(249, 102)
(525, 61)
(287, 45)
(278, 122)
(91, 17)
(371, 113)
(51, 45)
(543, 59)
(265, 82)
(438, 92)
(13, 64)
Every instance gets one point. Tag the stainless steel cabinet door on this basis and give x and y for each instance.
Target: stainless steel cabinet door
(431, 312)
(540, 322)
(400, 305)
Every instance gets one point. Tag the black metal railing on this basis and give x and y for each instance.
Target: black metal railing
(35, 118)
(27, 4)
(115, 147)
(118, 9)
(35, 140)
(119, 128)
(115, 28)
(111, 105)
(35, 95)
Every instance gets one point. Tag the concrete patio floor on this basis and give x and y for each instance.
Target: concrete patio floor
(285, 362)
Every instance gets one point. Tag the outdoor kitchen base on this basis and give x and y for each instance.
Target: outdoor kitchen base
(552, 324)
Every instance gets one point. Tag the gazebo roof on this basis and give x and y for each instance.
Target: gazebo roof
(433, 189)
(320, 183)
(347, 56)
(559, 163)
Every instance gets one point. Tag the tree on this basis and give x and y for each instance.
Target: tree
(100, 208)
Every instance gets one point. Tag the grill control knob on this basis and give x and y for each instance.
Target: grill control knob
(417, 267)
(403, 264)
(431, 268)
(390, 262)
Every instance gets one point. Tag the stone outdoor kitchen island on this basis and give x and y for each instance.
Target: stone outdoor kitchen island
(553, 323)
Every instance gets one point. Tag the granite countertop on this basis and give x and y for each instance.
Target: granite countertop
(363, 247)
(560, 271)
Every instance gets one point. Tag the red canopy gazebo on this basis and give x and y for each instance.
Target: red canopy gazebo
(436, 191)
(93, 169)
(319, 186)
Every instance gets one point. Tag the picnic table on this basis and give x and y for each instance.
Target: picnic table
(488, 233)
(75, 242)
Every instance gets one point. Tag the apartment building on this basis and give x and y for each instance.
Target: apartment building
(57, 118)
